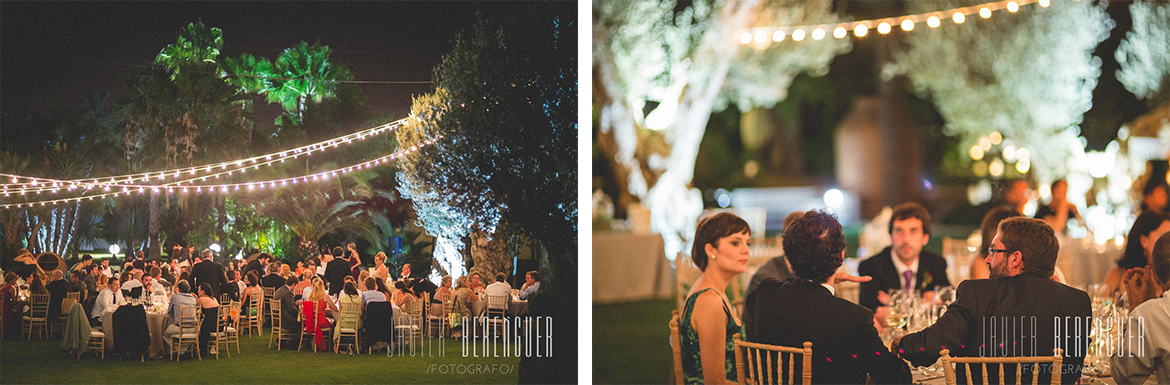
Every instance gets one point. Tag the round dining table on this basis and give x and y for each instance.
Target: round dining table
(515, 308)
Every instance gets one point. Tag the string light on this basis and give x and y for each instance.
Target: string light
(224, 187)
(884, 26)
(385, 128)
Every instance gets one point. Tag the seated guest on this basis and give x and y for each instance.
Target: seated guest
(232, 286)
(106, 269)
(150, 283)
(1139, 243)
(349, 295)
(1149, 301)
(707, 325)
(77, 284)
(903, 265)
(987, 231)
(777, 267)
(1058, 211)
(372, 294)
(273, 279)
(475, 282)
(406, 274)
(1021, 260)
(11, 318)
(36, 284)
(463, 295)
(156, 273)
(107, 301)
(846, 346)
(132, 279)
(57, 288)
(499, 287)
(253, 286)
(445, 287)
(317, 302)
(182, 297)
(401, 294)
(531, 285)
(361, 280)
(210, 308)
(380, 286)
(305, 281)
(288, 304)
(91, 280)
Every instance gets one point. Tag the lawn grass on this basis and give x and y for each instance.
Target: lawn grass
(631, 343)
(43, 362)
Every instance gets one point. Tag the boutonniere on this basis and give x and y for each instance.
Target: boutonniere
(926, 280)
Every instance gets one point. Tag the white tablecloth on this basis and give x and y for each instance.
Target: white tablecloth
(630, 267)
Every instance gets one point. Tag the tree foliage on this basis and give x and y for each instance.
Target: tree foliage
(506, 108)
(1144, 55)
(1028, 75)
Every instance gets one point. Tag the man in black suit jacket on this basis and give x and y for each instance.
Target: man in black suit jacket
(845, 343)
(1039, 314)
(909, 231)
(336, 271)
(288, 304)
(208, 271)
(257, 265)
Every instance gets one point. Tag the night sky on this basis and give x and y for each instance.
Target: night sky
(54, 53)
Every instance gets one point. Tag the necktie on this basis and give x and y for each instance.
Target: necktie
(909, 275)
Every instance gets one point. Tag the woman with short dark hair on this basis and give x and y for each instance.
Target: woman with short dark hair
(707, 325)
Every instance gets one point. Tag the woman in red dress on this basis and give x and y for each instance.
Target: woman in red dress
(318, 300)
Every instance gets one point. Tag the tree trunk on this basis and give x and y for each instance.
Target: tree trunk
(899, 137)
(665, 189)
(153, 249)
(220, 202)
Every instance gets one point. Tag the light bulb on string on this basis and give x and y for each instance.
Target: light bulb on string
(1013, 7)
(984, 12)
(958, 18)
(840, 32)
(884, 28)
(1044, 3)
(798, 35)
(933, 22)
(907, 25)
(818, 34)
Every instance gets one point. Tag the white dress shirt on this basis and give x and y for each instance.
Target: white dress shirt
(902, 267)
(498, 289)
(1133, 364)
(107, 302)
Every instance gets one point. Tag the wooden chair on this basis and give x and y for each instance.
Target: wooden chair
(497, 309)
(759, 366)
(37, 318)
(439, 321)
(1018, 362)
(223, 324)
(61, 320)
(190, 320)
(96, 344)
(251, 321)
(409, 327)
(278, 333)
(676, 346)
(347, 326)
(231, 332)
(269, 293)
(224, 298)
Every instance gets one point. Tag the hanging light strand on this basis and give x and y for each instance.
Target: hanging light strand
(21, 180)
(883, 25)
(224, 188)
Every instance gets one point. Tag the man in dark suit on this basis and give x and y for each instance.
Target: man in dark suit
(273, 279)
(845, 343)
(336, 270)
(1040, 314)
(257, 265)
(208, 271)
(288, 305)
(904, 265)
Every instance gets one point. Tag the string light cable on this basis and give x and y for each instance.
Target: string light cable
(763, 35)
(275, 157)
(249, 186)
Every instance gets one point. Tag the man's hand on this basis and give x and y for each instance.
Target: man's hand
(842, 276)
(894, 345)
(1141, 285)
(879, 318)
(883, 297)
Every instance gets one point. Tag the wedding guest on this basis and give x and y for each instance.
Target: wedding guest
(707, 325)
(107, 301)
(401, 295)
(1017, 194)
(499, 288)
(777, 267)
(28, 264)
(445, 286)
(208, 271)
(987, 230)
(1149, 301)
(905, 265)
(316, 302)
(1058, 210)
(1154, 197)
(531, 284)
(1021, 260)
(11, 317)
(232, 286)
(1139, 245)
(106, 269)
(305, 282)
(57, 288)
(372, 294)
(349, 295)
(355, 262)
(475, 282)
(846, 346)
(86, 261)
(336, 271)
(210, 308)
(380, 270)
(464, 295)
(286, 294)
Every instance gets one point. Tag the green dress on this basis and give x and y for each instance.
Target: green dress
(692, 363)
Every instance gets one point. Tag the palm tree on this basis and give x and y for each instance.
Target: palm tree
(299, 78)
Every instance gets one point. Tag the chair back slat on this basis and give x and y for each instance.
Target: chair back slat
(763, 366)
(676, 348)
(949, 364)
(38, 305)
